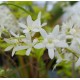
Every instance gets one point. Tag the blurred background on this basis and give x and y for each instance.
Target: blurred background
(27, 66)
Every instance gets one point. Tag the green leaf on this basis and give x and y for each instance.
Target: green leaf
(21, 52)
(39, 53)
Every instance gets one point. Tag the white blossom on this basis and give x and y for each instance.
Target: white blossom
(51, 41)
(30, 44)
(7, 19)
(32, 26)
(14, 43)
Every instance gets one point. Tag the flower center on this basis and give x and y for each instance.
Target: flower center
(50, 41)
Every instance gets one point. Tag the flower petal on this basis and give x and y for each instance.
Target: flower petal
(39, 15)
(25, 31)
(62, 44)
(13, 52)
(17, 48)
(28, 51)
(38, 22)
(56, 30)
(8, 41)
(35, 30)
(35, 41)
(29, 21)
(43, 33)
(39, 46)
(14, 34)
(22, 25)
(28, 37)
(44, 24)
(51, 53)
(9, 48)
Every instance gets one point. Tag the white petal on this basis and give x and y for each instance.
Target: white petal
(28, 37)
(35, 41)
(25, 31)
(77, 64)
(22, 25)
(58, 60)
(39, 15)
(37, 22)
(39, 46)
(51, 53)
(7, 40)
(43, 33)
(13, 52)
(17, 48)
(44, 24)
(29, 21)
(28, 51)
(9, 48)
(35, 30)
(14, 34)
(62, 44)
(56, 30)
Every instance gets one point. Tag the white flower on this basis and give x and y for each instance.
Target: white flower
(70, 31)
(67, 28)
(14, 45)
(33, 26)
(30, 44)
(51, 41)
(7, 19)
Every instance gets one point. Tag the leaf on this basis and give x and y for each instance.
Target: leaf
(39, 53)
(21, 52)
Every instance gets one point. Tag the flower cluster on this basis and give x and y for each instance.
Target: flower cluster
(8, 20)
(61, 43)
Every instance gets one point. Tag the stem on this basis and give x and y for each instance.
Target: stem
(49, 64)
(23, 71)
(31, 67)
(72, 51)
(15, 6)
(73, 66)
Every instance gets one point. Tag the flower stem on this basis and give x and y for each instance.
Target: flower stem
(15, 6)
(72, 51)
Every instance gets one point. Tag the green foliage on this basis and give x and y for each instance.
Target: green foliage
(21, 52)
(65, 70)
(38, 53)
(4, 72)
(3, 45)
